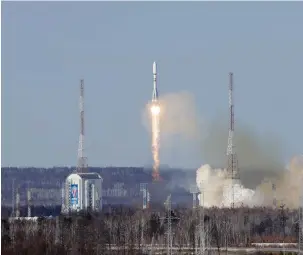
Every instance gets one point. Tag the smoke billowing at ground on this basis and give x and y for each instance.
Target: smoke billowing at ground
(260, 157)
(260, 164)
(217, 188)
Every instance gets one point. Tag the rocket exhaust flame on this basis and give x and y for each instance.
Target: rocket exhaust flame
(155, 118)
(155, 111)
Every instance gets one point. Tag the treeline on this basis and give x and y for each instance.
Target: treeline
(6, 211)
(131, 231)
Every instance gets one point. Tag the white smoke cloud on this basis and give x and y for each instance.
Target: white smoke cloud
(181, 129)
(217, 188)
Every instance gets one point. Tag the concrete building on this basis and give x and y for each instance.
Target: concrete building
(83, 191)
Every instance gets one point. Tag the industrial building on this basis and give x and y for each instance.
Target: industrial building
(83, 191)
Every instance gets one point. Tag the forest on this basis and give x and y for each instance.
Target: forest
(132, 231)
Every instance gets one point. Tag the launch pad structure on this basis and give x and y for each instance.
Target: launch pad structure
(232, 161)
(82, 190)
(82, 160)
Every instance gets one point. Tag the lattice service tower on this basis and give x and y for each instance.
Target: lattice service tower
(232, 162)
(82, 161)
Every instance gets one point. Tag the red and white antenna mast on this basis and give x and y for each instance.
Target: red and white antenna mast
(232, 164)
(82, 161)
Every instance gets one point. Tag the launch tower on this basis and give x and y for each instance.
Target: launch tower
(82, 190)
(232, 161)
(82, 161)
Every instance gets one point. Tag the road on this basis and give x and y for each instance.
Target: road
(230, 250)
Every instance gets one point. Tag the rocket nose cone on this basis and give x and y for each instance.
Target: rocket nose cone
(154, 68)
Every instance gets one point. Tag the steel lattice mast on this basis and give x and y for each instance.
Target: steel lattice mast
(194, 191)
(82, 161)
(169, 219)
(144, 190)
(169, 230)
(232, 164)
(200, 234)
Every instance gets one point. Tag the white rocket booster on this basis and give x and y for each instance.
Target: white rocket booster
(155, 90)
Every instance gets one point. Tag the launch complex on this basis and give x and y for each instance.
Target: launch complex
(83, 190)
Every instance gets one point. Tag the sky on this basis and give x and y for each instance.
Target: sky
(47, 47)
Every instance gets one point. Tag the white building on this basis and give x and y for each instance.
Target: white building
(83, 191)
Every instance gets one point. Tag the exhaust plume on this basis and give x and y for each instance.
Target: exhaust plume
(260, 156)
(217, 188)
(178, 122)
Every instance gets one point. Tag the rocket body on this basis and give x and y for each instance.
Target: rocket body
(155, 121)
(155, 89)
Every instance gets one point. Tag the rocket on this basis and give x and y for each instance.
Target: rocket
(155, 90)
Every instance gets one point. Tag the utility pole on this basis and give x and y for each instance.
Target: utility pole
(169, 234)
(18, 202)
(169, 219)
(151, 252)
(142, 236)
(274, 196)
(143, 189)
(58, 231)
(13, 199)
(194, 191)
(283, 219)
(29, 201)
(200, 232)
(63, 202)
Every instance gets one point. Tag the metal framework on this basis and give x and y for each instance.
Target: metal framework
(142, 236)
(13, 198)
(194, 190)
(169, 231)
(151, 252)
(200, 235)
(18, 202)
(63, 198)
(232, 162)
(143, 189)
(29, 202)
(57, 231)
(274, 196)
(82, 160)
(169, 219)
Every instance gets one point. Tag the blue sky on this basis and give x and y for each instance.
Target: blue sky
(48, 47)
